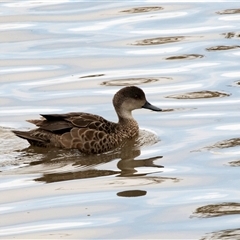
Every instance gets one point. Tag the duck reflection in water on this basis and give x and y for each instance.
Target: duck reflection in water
(85, 166)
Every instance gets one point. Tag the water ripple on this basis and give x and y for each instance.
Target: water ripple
(63, 56)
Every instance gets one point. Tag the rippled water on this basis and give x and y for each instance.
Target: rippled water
(70, 56)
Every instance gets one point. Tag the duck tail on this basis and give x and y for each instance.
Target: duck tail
(35, 122)
(31, 139)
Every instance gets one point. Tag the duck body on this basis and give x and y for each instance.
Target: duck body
(89, 133)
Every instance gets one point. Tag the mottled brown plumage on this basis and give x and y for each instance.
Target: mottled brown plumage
(90, 133)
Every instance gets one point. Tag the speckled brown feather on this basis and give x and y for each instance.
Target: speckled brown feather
(86, 132)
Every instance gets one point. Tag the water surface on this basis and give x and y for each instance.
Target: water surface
(73, 56)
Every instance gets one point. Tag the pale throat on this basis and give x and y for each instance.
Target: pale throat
(125, 114)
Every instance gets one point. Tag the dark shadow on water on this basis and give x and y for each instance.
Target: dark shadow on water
(134, 81)
(178, 109)
(229, 11)
(227, 234)
(143, 9)
(228, 143)
(233, 142)
(217, 210)
(185, 57)
(159, 40)
(234, 163)
(222, 47)
(132, 193)
(200, 94)
(95, 75)
(230, 35)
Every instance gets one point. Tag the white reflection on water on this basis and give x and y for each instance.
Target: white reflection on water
(231, 74)
(183, 30)
(33, 3)
(211, 195)
(27, 69)
(154, 51)
(230, 18)
(196, 103)
(2, 209)
(17, 183)
(236, 53)
(106, 24)
(228, 152)
(11, 26)
(230, 127)
(43, 227)
(202, 115)
(25, 110)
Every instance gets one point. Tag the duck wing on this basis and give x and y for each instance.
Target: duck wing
(83, 131)
(60, 123)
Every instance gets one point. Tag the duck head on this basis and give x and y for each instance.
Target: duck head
(130, 98)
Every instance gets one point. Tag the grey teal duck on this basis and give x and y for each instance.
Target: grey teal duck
(89, 133)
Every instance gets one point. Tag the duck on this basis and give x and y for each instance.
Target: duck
(90, 133)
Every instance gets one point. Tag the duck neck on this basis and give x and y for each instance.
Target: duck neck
(128, 126)
(125, 116)
(125, 121)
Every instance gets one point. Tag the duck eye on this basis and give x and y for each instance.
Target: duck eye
(136, 96)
